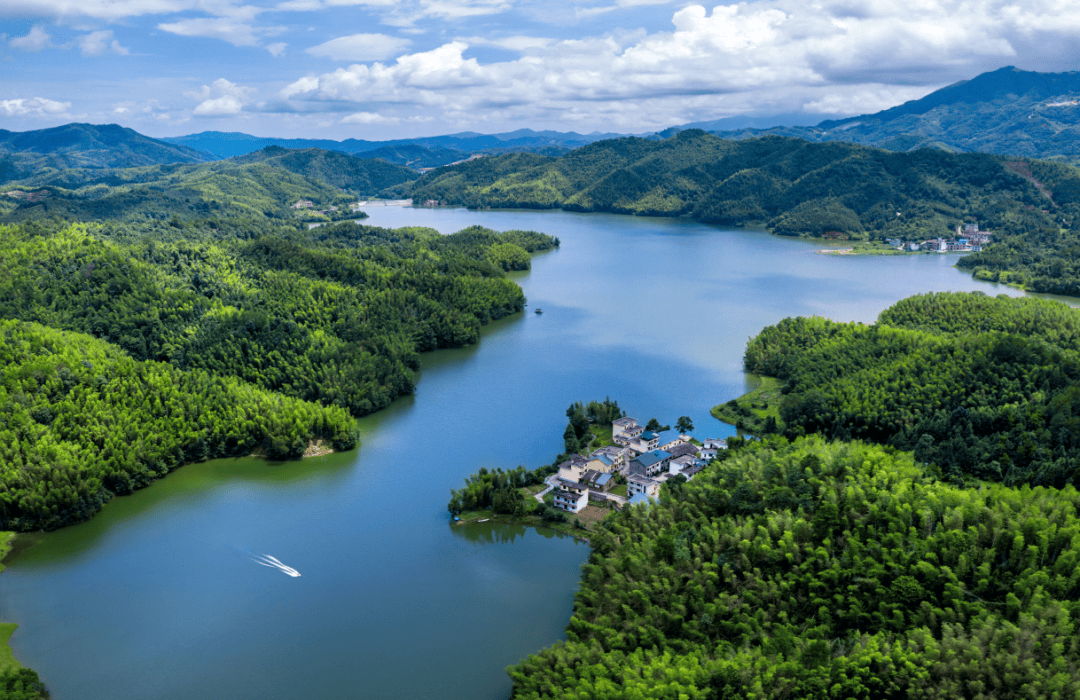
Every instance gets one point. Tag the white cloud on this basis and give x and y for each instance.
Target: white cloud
(222, 98)
(100, 43)
(238, 31)
(232, 23)
(367, 118)
(36, 40)
(862, 99)
(309, 5)
(33, 105)
(513, 43)
(100, 9)
(219, 106)
(277, 48)
(360, 47)
(769, 56)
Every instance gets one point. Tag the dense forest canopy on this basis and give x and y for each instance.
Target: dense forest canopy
(81, 420)
(335, 315)
(983, 387)
(812, 570)
(790, 185)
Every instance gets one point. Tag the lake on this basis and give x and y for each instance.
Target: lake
(158, 597)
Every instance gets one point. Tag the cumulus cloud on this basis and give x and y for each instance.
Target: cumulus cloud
(775, 54)
(367, 118)
(33, 105)
(277, 48)
(222, 98)
(360, 47)
(100, 43)
(513, 43)
(36, 40)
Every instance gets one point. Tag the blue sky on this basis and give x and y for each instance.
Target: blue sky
(379, 69)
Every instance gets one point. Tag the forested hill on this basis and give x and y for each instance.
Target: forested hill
(86, 146)
(1007, 111)
(336, 315)
(223, 189)
(228, 144)
(985, 388)
(81, 420)
(812, 570)
(359, 174)
(790, 185)
(1038, 258)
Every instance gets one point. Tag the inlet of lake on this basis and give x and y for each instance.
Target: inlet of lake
(158, 597)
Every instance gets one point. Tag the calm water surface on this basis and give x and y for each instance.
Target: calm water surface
(155, 598)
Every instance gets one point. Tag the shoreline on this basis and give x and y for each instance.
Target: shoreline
(534, 521)
(8, 662)
(316, 448)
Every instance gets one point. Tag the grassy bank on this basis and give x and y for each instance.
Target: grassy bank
(7, 657)
(589, 517)
(864, 248)
(751, 411)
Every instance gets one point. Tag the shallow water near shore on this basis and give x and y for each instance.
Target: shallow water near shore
(154, 598)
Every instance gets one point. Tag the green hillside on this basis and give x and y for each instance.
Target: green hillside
(982, 387)
(87, 146)
(222, 189)
(816, 570)
(81, 420)
(789, 185)
(335, 315)
(1007, 111)
(360, 175)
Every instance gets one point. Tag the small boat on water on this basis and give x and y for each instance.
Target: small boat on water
(539, 311)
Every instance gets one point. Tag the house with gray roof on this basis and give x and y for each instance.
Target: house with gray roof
(681, 448)
(649, 464)
(679, 465)
(640, 484)
(570, 501)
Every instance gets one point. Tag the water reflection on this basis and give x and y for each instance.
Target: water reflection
(495, 532)
(185, 489)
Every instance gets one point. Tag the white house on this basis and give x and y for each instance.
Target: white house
(619, 426)
(570, 501)
(640, 484)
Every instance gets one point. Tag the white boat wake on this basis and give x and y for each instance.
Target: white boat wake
(273, 563)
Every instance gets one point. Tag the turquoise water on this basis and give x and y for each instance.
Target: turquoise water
(157, 597)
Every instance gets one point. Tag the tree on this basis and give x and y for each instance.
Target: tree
(684, 424)
(654, 425)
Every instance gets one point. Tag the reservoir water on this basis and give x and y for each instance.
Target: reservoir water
(158, 596)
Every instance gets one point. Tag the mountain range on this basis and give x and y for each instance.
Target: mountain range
(1008, 111)
(227, 144)
(94, 146)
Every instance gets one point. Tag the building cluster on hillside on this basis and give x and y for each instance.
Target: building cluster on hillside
(968, 239)
(637, 456)
(308, 204)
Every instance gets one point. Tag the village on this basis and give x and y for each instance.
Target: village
(636, 458)
(968, 239)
